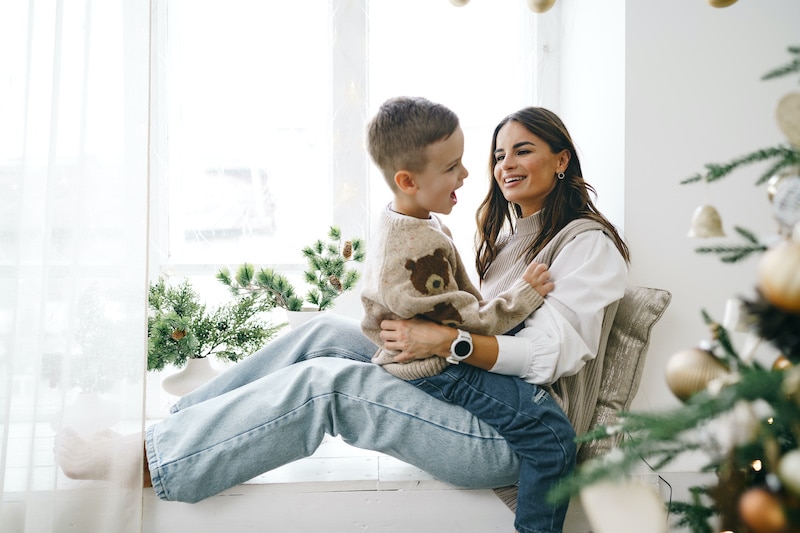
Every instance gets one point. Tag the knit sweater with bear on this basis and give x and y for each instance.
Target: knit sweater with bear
(414, 270)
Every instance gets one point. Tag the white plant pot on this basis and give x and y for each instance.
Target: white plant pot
(195, 373)
(298, 318)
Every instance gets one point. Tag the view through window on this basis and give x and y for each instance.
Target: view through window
(253, 98)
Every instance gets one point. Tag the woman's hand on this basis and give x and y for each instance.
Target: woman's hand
(416, 338)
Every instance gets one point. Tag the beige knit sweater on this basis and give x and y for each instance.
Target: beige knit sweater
(413, 269)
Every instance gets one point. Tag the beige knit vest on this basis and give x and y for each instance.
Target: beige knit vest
(577, 394)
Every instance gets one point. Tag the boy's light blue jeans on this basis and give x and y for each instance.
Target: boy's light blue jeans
(532, 423)
(275, 406)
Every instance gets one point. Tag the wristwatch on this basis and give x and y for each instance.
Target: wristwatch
(461, 347)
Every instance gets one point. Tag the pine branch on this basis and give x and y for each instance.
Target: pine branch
(723, 339)
(786, 154)
(789, 68)
(659, 438)
(326, 273)
(734, 253)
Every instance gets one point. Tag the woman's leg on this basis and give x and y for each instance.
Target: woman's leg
(327, 335)
(533, 424)
(282, 416)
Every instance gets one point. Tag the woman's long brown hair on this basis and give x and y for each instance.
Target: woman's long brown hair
(569, 200)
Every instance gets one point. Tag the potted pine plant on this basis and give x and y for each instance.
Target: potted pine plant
(184, 332)
(328, 273)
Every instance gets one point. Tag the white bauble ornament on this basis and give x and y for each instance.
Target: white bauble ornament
(788, 115)
(540, 6)
(612, 507)
(773, 184)
(721, 3)
(785, 200)
(459, 3)
(779, 276)
(706, 222)
(690, 371)
(789, 471)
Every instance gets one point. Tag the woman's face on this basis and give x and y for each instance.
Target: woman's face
(525, 167)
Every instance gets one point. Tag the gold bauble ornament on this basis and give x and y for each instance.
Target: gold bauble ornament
(781, 363)
(762, 511)
(690, 371)
(721, 3)
(540, 6)
(789, 471)
(779, 276)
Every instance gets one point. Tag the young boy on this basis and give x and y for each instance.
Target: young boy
(413, 268)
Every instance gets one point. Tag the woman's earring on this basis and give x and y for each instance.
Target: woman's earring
(560, 175)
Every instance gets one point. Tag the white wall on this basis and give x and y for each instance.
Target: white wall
(693, 95)
(592, 95)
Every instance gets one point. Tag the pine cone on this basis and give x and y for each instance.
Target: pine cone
(178, 334)
(337, 284)
(347, 249)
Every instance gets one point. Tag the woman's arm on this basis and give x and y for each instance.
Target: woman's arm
(417, 338)
(557, 340)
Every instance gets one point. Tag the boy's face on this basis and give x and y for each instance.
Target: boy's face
(437, 183)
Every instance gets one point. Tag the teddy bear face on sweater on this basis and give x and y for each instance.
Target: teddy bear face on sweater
(430, 275)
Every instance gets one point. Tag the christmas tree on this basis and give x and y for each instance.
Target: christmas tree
(744, 415)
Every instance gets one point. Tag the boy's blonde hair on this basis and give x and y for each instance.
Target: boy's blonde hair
(401, 130)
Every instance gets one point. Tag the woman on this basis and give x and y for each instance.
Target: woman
(276, 405)
(538, 192)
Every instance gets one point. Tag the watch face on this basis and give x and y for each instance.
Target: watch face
(462, 348)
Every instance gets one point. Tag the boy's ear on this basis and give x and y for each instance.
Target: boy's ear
(405, 181)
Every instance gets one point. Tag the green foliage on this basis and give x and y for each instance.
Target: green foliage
(734, 253)
(327, 274)
(181, 327)
(790, 68)
(659, 438)
(783, 157)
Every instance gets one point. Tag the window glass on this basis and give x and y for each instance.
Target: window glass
(247, 113)
(474, 59)
(254, 97)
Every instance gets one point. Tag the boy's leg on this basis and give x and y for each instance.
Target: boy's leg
(205, 448)
(533, 424)
(327, 335)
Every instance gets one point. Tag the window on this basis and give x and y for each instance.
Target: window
(260, 109)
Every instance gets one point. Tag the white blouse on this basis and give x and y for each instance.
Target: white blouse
(558, 338)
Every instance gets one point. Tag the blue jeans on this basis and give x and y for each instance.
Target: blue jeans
(533, 424)
(276, 405)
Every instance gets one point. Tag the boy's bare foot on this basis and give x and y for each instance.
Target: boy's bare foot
(106, 456)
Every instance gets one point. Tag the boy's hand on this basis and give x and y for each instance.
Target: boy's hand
(416, 338)
(539, 277)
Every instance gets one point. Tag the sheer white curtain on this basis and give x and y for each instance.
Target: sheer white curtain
(73, 251)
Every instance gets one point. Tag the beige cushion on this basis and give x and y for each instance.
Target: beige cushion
(638, 311)
(628, 341)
